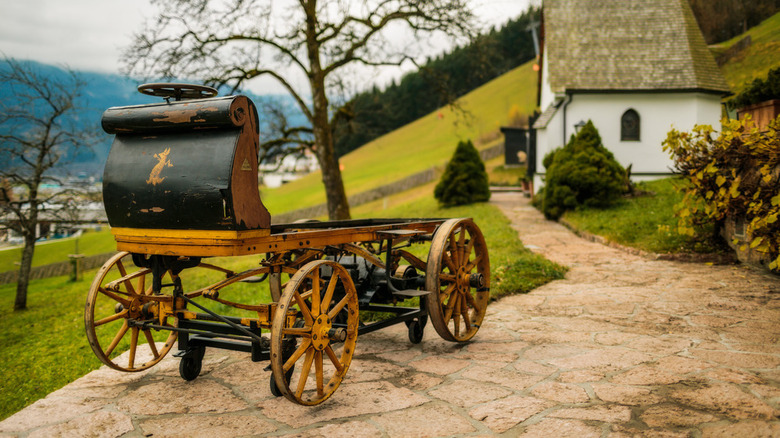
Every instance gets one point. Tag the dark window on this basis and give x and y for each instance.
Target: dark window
(629, 126)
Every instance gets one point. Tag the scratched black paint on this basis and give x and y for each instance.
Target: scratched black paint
(171, 175)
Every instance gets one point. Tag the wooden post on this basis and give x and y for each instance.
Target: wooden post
(75, 266)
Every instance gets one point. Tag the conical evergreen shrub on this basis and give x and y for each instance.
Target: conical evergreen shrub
(465, 180)
(583, 172)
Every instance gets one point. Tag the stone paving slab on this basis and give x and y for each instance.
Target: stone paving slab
(624, 346)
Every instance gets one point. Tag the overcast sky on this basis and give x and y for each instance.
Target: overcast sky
(90, 34)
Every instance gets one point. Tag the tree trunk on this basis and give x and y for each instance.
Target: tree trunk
(336, 196)
(24, 271)
(338, 206)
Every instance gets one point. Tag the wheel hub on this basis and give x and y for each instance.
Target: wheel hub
(320, 332)
(462, 279)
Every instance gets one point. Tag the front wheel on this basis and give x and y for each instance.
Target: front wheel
(316, 299)
(120, 297)
(191, 364)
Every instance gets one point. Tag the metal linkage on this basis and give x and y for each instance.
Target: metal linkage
(224, 319)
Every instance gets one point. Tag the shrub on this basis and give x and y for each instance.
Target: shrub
(583, 172)
(760, 90)
(465, 180)
(736, 174)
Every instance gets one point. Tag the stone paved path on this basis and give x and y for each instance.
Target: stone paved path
(624, 346)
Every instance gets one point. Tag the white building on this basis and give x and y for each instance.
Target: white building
(636, 68)
(288, 168)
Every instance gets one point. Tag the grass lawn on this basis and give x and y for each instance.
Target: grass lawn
(90, 243)
(646, 222)
(44, 347)
(501, 175)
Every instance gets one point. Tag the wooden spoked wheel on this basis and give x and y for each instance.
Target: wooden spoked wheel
(320, 293)
(120, 295)
(458, 274)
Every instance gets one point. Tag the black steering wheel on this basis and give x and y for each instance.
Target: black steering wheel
(178, 91)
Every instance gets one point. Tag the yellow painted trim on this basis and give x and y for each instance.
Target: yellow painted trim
(190, 234)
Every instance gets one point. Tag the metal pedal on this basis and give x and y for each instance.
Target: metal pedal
(412, 293)
(398, 233)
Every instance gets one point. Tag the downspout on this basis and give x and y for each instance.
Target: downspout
(566, 103)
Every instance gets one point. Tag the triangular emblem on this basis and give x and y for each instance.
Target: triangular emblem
(246, 165)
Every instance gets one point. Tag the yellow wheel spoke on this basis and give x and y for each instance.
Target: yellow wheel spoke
(297, 354)
(111, 318)
(329, 292)
(133, 347)
(337, 308)
(450, 278)
(125, 302)
(297, 331)
(450, 307)
(473, 263)
(304, 309)
(315, 293)
(464, 310)
(334, 359)
(471, 302)
(142, 285)
(305, 372)
(469, 247)
(447, 259)
(318, 373)
(128, 283)
(454, 244)
(462, 254)
(446, 292)
(120, 334)
(152, 345)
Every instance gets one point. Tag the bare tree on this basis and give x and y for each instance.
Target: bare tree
(36, 132)
(227, 43)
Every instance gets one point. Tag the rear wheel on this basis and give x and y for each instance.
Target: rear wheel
(458, 275)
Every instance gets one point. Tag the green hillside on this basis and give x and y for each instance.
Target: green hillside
(756, 60)
(426, 142)
(430, 140)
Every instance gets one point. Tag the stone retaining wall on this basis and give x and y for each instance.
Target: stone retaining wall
(56, 269)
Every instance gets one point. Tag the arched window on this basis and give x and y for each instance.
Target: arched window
(629, 126)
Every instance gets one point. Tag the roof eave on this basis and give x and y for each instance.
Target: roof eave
(722, 93)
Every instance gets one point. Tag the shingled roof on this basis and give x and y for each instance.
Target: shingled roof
(624, 45)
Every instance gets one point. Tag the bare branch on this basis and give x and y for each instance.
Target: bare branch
(36, 131)
(232, 42)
